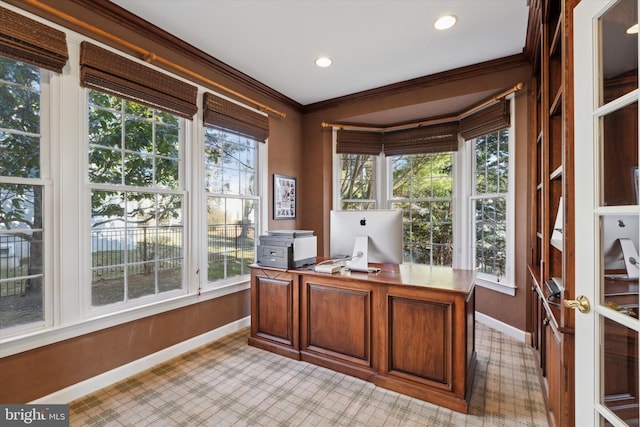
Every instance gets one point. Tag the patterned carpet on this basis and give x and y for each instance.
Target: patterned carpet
(228, 383)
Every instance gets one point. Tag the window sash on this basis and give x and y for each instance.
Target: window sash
(504, 281)
(231, 241)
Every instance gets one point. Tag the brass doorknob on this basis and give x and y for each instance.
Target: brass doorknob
(581, 303)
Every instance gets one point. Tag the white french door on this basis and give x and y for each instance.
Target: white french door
(607, 212)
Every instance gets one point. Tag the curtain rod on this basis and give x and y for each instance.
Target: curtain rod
(150, 56)
(471, 110)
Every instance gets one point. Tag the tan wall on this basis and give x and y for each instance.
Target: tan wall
(36, 373)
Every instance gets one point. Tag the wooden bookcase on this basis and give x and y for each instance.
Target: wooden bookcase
(551, 231)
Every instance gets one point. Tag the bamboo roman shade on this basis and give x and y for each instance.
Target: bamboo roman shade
(436, 138)
(359, 142)
(108, 72)
(487, 120)
(29, 41)
(425, 139)
(417, 140)
(224, 114)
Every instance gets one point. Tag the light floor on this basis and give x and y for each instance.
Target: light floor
(228, 383)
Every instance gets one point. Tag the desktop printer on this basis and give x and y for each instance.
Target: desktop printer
(287, 249)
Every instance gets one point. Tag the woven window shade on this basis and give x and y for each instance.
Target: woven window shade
(359, 142)
(108, 72)
(224, 114)
(425, 139)
(29, 41)
(487, 120)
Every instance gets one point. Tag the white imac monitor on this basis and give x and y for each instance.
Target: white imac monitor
(620, 234)
(367, 236)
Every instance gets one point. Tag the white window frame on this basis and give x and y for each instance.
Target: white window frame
(45, 181)
(389, 187)
(182, 191)
(64, 128)
(506, 284)
(260, 198)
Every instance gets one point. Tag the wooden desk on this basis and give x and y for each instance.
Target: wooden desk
(409, 328)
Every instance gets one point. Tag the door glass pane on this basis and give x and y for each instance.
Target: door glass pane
(619, 159)
(620, 371)
(618, 51)
(619, 243)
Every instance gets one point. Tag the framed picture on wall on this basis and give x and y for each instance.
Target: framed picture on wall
(284, 197)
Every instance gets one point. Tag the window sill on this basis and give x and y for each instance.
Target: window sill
(502, 287)
(44, 336)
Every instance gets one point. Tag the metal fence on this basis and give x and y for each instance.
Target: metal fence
(224, 241)
(135, 249)
(14, 264)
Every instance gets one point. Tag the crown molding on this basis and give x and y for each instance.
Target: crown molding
(449, 76)
(108, 16)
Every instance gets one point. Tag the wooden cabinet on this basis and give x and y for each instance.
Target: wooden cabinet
(274, 312)
(551, 230)
(336, 326)
(410, 329)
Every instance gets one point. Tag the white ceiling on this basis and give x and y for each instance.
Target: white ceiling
(372, 42)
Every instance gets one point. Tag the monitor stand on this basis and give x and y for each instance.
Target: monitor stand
(359, 260)
(630, 255)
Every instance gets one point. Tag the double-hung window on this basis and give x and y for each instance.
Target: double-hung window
(29, 52)
(135, 178)
(137, 199)
(422, 186)
(358, 189)
(410, 169)
(23, 185)
(232, 203)
(490, 202)
(233, 135)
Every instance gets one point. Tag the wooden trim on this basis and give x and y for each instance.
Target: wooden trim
(450, 76)
(81, 15)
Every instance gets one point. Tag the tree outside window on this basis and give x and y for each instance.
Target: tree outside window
(422, 186)
(489, 203)
(21, 195)
(232, 203)
(136, 200)
(357, 182)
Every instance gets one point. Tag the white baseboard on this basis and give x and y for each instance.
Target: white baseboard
(98, 382)
(506, 329)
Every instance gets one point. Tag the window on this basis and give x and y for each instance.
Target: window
(422, 186)
(416, 171)
(357, 181)
(489, 204)
(23, 185)
(231, 182)
(410, 169)
(137, 199)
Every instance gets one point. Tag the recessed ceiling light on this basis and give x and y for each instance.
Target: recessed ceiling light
(323, 61)
(633, 29)
(445, 22)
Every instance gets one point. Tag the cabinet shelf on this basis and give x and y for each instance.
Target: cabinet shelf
(555, 41)
(557, 103)
(556, 174)
(552, 181)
